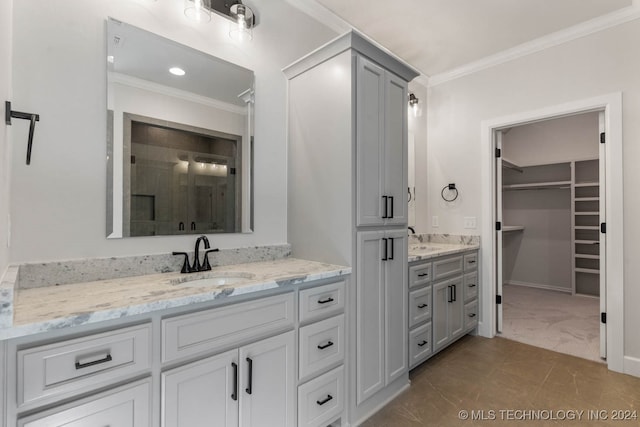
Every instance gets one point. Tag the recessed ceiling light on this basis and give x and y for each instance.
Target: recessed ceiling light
(177, 71)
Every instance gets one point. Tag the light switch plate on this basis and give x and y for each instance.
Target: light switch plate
(470, 222)
(435, 221)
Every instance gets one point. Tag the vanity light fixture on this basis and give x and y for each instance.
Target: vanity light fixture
(413, 103)
(241, 16)
(177, 71)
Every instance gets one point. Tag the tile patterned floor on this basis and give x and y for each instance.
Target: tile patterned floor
(479, 374)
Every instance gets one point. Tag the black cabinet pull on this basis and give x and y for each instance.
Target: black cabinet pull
(472, 315)
(386, 202)
(423, 306)
(472, 285)
(234, 395)
(423, 274)
(423, 343)
(391, 198)
(250, 380)
(391, 242)
(105, 359)
(473, 261)
(385, 243)
(455, 293)
(322, 402)
(449, 294)
(325, 301)
(327, 345)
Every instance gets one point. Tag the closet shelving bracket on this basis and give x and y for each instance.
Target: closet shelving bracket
(32, 117)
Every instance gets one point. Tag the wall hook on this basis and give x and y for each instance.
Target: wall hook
(33, 118)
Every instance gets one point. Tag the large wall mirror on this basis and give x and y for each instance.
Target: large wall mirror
(179, 140)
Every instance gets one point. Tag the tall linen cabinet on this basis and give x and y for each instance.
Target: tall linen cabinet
(347, 203)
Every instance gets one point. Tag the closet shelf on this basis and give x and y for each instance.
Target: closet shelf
(588, 242)
(587, 227)
(587, 270)
(538, 186)
(587, 184)
(587, 256)
(586, 199)
(588, 213)
(512, 228)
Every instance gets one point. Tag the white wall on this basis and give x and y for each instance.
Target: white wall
(58, 202)
(594, 65)
(553, 141)
(5, 95)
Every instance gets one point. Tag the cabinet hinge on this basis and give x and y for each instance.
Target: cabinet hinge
(603, 227)
(498, 299)
(603, 138)
(498, 226)
(498, 153)
(603, 317)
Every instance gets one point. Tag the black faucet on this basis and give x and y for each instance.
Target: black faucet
(413, 231)
(196, 267)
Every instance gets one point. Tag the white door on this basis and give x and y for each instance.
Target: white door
(370, 307)
(603, 240)
(395, 152)
(370, 88)
(498, 242)
(267, 382)
(202, 394)
(396, 292)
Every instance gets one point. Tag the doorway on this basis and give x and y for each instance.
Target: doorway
(611, 106)
(550, 212)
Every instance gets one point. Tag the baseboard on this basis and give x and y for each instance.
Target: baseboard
(390, 394)
(537, 286)
(631, 366)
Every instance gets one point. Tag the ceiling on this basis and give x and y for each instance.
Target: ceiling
(437, 36)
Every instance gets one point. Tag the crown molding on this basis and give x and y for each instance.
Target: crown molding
(586, 28)
(173, 92)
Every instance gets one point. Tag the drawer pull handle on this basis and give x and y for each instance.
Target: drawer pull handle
(325, 301)
(234, 395)
(423, 306)
(250, 380)
(472, 261)
(423, 274)
(322, 402)
(473, 285)
(327, 345)
(106, 359)
(472, 315)
(423, 343)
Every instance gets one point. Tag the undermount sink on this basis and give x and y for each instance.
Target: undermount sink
(212, 279)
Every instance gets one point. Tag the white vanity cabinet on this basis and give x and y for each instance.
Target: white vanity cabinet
(381, 144)
(443, 303)
(251, 386)
(381, 310)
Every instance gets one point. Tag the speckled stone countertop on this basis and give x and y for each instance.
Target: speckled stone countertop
(42, 309)
(426, 246)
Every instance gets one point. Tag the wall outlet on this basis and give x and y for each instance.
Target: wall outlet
(470, 222)
(435, 221)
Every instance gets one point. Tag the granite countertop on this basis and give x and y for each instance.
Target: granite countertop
(422, 251)
(41, 309)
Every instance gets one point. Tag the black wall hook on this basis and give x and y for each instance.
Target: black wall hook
(33, 118)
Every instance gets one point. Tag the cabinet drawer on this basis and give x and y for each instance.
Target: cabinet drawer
(71, 365)
(419, 344)
(419, 274)
(321, 301)
(321, 401)
(471, 315)
(321, 346)
(129, 405)
(447, 267)
(471, 261)
(209, 330)
(419, 306)
(470, 286)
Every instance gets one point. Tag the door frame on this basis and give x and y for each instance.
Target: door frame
(611, 105)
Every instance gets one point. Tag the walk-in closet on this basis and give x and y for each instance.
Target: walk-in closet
(551, 236)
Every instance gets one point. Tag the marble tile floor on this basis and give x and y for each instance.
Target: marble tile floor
(553, 320)
(480, 375)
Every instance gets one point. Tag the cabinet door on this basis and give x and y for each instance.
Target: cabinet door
(440, 320)
(201, 393)
(370, 308)
(396, 288)
(370, 87)
(456, 309)
(395, 151)
(267, 382)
